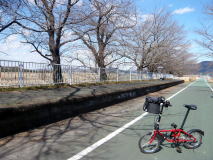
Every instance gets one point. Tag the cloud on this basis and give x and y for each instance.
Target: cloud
(17, 51)
(183, 10)
(146, 17)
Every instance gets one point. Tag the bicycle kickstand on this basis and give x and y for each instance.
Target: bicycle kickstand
(178, 149)
(177, 146)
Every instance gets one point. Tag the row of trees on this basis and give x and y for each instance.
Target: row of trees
(207, 31)
(112, 32)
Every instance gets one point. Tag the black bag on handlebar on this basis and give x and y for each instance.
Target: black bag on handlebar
(152, 105)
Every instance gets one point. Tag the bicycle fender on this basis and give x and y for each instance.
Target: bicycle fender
(197, 130)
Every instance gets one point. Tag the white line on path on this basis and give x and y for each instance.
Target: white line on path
(181, 90)
(116, 132)
(208, 85)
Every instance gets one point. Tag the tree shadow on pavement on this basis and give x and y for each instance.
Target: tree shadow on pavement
(63, 139)
(67, 136)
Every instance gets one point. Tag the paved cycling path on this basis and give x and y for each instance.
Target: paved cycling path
(125, 145)
(63, 140)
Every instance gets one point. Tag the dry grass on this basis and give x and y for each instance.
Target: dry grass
(12, 78)
(210, 80)
(9, 79)
(189, 78)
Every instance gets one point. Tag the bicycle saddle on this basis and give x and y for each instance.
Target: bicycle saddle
(191, 106)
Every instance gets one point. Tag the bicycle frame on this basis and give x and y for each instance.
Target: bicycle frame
(174, 136)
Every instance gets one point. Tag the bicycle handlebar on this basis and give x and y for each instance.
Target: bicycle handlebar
(165, 102)
(159, 100)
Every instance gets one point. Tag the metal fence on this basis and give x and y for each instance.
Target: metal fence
(16, 73)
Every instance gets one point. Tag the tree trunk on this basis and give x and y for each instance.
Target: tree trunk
(103, 74)
(152, 69)
(142, 68)
(57, 71)
(139, 68)
(56, 61)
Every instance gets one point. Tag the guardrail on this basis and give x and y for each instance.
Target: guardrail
(16, 73)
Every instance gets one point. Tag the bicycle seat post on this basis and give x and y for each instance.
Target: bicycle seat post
(184, 120)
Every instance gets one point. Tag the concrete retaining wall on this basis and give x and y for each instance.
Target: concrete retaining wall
(15, 120)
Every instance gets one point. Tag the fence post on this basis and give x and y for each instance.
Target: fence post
(0, 70)
(117, 75)
(99, 74)
(130, 75)
(150, 75)
(70, 74)
(20, 74)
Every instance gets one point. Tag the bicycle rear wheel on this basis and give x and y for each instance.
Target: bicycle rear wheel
(147, 147)
(193, 144)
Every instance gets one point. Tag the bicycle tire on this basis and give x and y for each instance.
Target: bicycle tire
(193, 145)
(144, 146)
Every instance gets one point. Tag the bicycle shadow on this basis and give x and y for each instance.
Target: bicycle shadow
(179, 148)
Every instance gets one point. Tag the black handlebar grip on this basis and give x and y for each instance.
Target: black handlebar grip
(167, 104)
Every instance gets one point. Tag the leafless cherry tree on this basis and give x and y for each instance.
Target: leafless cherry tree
(207, 31)
(7, 18)
(153, 41)
(181, 63)
(100, 32)
(45, 25)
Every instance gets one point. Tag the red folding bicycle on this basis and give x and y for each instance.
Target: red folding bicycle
(150, 143)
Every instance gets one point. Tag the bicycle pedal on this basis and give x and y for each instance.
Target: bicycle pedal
(173, 145)
(178, 149)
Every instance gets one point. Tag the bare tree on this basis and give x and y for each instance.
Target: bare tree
(45, 26)
(154, 41)
(207, 31)
(207, 38)
(100, 32)
(180, 63)
(7, 18)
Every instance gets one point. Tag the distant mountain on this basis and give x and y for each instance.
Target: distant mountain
(206, 67)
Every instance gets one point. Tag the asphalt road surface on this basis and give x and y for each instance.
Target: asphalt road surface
(110, 133)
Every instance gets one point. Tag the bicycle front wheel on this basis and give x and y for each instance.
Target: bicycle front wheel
(147, 147)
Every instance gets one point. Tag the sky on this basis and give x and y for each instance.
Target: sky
(189, 13)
